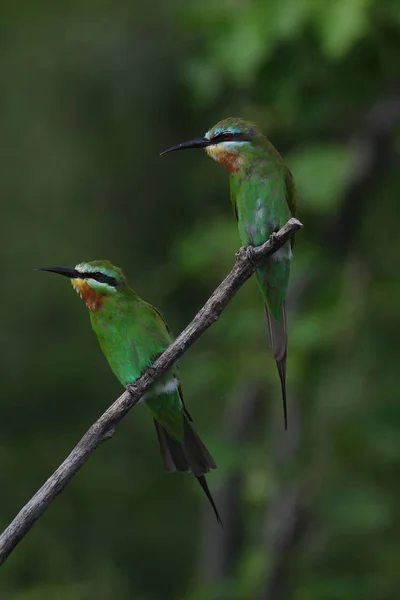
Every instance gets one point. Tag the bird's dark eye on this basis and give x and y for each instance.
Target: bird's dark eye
(227, 136)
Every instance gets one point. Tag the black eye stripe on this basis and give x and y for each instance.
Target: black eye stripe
(100, 277)
(228, 136)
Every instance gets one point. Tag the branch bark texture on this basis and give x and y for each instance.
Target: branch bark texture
(247, 260)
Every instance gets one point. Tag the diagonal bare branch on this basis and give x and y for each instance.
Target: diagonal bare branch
(247, 259)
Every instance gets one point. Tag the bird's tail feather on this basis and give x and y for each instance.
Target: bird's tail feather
(278, 340)
(189, 455)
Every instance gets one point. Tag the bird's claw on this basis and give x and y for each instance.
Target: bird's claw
(246, 253)
(273, 237)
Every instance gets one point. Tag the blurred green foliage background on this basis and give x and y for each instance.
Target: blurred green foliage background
(91, 92)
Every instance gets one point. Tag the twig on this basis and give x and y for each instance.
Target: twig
(247, 260)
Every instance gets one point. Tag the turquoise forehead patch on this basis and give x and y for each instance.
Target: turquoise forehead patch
(219, 130)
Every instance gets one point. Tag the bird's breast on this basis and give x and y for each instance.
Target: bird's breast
(230, 159)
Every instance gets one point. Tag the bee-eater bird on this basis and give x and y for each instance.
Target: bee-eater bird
(132, 334)
(264, 198)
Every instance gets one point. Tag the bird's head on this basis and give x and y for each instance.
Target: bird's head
(228, 142)
(94, 281)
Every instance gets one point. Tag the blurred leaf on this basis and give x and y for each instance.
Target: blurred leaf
(321, 174)
(342, 23)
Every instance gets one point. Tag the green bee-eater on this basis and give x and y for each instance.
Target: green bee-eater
(264, 198)
(132, 334)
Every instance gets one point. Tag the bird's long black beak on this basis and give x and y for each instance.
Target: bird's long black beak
(66, 271)
(199, 143)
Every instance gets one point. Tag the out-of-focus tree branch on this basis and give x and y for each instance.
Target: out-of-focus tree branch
(371, 155)
(219, 552)
(247, 260)
(286, 523)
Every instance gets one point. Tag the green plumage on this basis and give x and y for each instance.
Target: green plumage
(132, 334)
(263, 203)
(264, 198)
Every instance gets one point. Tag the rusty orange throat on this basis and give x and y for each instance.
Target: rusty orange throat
(92, 299)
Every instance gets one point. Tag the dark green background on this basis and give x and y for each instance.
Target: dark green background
(91, 92)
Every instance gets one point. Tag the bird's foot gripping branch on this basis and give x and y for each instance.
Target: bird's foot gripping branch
(246, 254)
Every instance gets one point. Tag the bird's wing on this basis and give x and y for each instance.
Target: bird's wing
(235, 209)
(176, 370)
(161, 320)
